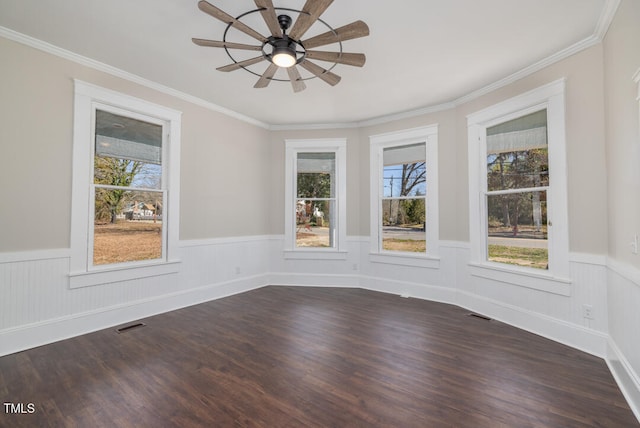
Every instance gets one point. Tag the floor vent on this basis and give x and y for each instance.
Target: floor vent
(482, 317)
(130, 327)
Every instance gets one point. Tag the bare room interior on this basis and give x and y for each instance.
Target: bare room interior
(286, 213)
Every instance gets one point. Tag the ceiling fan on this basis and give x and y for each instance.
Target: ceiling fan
(285, 48)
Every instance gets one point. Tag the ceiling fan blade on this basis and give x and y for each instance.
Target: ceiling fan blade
(350, 31)
(354, 59)
(266, 77)
(210, 9)
(230, 45)
(296, 80)
(239, 65)
(323, 74)
(310, 13)
(269, 15)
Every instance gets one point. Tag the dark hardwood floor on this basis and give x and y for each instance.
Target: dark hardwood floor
(312, 357)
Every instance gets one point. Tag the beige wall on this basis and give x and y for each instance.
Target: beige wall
(622, 60)
(218, 150)
(36, 107)
(585, 142)
(585, 145)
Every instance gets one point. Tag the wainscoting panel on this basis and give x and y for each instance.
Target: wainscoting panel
(38, 307)
(623, 354)
(551, 315)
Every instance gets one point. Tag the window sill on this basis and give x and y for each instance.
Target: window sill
(406, 259)
(122, 273)
(542, 281)
(315, 255)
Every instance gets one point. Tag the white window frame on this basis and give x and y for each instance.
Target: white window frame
(377, 144)
(89, 98)
(557, 278)
(338, 146)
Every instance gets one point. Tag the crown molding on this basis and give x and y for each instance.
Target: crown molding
(105, 68)
(604, 22)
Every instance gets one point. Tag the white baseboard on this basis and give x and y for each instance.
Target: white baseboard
(37, 334)
(626, 378)
(573, 335)
(409, 289)
(314, 280)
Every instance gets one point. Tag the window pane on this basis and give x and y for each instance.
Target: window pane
(127, 152)
(404, 171)
(517, 153)
(403, 225)
(315, 223)
(127, 173)
(127, 138)
(127, 226)
(517, 229)
(316, 172)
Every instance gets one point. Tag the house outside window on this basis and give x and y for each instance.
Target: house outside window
(125, 192)
(315, 197)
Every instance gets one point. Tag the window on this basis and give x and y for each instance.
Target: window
(516, 195)
(125, 187)
(517, 182)
(315, 189)
(127, 190)
(404, 213)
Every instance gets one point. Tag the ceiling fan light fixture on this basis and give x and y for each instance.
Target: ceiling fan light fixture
(284, 56)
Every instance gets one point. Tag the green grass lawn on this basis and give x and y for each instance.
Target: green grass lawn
(530, 257)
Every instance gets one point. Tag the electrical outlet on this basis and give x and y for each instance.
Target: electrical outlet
(588, 312)
(238, 270)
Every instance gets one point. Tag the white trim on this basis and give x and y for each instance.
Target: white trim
(606, 17)
(523, 277)
(41, 333)
(551, 97)
(88, 97)
(225, 241)
(626, 271)
(588, 259)
(328, 145)
(314, 254)
(405, 259)
(314, 280)
(377, 143)
(122, 272)
(28, 256)
(105, 68)
(408, 289)
(573, 335)
(627, 379)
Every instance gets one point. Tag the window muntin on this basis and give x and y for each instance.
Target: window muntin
(404, 221)
(517, 167)
(315, 199)
(403, 202)
(556, 278)
(127, 190)
(95, 109)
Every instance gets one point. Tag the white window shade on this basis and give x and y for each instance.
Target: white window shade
(127, 138)
(521, 134)
(316, 163)
(408, 154)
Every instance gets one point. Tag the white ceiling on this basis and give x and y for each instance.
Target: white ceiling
(420, 53)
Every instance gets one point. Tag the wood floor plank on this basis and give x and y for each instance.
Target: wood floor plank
(313, 357)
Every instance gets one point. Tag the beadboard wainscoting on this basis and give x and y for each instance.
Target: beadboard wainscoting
(37, 306)
(623, 352)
